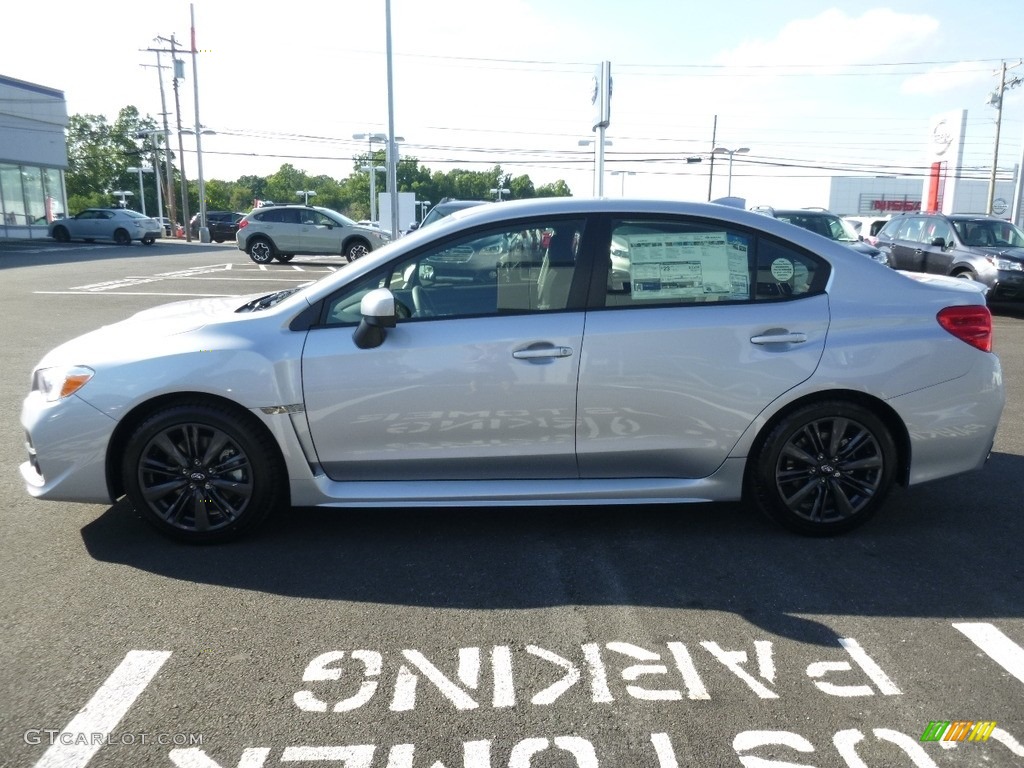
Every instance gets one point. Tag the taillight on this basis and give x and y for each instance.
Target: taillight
(243, 224)
(972, 324)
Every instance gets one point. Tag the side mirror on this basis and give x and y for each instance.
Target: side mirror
(414, 226)
(378, 310)
(939, 242)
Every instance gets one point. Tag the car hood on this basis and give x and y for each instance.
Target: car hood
(999, 250)
(147, 332)
(861, 247)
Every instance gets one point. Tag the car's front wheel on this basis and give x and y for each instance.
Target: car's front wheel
(202, 474)
(356, 249)
(825, 468)
(261, 250)
(121, 237)
(148, 240)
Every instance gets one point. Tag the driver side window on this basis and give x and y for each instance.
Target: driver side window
(530, 267)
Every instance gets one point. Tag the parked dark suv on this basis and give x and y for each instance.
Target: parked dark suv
(975, 246)
(825, 224)
(222, 225)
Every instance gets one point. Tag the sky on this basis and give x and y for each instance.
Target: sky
(814, 89)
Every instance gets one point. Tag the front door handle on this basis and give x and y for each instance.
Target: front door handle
(539, 353)
(779, 338)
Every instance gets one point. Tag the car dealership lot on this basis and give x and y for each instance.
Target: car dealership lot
(595, 636)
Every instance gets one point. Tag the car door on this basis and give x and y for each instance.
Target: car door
(476, 381)
(84, 225)
(696, 330)
(320, 233)
(906, 249)
(938, 246)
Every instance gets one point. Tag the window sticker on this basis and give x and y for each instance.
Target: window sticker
(694, 265)
(782, 270)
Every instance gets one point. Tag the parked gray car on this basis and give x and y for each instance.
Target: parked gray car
(118, 224)
(284, 231)
(721, 355)
(973, 246)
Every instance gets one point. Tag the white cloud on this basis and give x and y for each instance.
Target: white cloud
(946, 78)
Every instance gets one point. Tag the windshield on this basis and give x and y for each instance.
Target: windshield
(989, 233)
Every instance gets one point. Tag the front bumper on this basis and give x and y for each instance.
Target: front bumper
(67, 444)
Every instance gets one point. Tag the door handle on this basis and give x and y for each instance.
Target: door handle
(540, 353)
(779, 338)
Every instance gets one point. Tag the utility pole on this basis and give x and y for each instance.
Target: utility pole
(181, 149)
(996, 100)
(168, 168)
(711, 172)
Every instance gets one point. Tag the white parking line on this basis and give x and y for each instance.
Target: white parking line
(1001, 649)
(134, 293)
(87, 730)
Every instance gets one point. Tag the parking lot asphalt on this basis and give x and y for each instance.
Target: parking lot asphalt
(596, 636)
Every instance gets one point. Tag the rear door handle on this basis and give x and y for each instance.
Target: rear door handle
(779, 338)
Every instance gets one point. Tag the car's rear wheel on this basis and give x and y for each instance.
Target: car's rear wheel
(61, 235)
(200, 473)
(261, 250)
(284, 258)
(825, 468)
(356, 249)
(218, 239)
(121, 237)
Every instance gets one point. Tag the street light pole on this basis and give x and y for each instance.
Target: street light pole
(372, 170)
(142, 193)
(730, 153)
(622, 180)
(599, 145)
(305, 193)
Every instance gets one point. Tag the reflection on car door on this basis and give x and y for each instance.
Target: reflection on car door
(479, 383)
(688, 349)
(446, 399)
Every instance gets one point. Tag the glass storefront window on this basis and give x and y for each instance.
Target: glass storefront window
(54, 191)
(13, 197)
(32, 184)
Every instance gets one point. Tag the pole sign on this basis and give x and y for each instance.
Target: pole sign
(601, 95)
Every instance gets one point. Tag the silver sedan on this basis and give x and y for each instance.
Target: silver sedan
(720, 355)
(118, 224)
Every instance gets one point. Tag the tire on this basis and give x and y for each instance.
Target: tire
(261, 250)
(148, 240)
(121, 237)
(355, 249)
(218, 239)
(825, 468)
(61, 235)
(201, 474)
(284, 258)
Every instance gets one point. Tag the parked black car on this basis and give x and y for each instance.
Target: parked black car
(968, 245)
(827, 225)
(222, 225)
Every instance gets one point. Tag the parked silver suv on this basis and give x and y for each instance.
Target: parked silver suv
(973, 246)
(284, 231)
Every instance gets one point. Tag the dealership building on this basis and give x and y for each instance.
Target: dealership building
(33, 157)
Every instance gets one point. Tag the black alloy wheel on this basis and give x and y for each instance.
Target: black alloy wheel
(825, 468)
(201, 474)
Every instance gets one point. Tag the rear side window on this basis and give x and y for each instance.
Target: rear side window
(279, 216)
(677, 263)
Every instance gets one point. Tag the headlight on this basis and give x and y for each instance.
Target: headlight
(1008, 265)
(60, 382)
